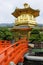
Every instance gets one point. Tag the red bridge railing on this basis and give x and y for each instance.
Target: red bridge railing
(14, 52)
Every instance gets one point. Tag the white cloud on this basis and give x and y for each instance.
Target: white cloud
(8, 6)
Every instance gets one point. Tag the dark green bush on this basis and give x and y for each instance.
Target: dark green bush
(6, 34)
(35, 35)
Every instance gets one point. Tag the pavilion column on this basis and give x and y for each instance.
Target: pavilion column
(28, 34)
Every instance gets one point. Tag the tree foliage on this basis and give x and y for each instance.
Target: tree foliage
(41, 36)
(35, 35)
(6, 34)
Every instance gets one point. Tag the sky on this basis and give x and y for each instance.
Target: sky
(8, 6)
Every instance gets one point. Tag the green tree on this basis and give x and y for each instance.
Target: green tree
(6, 34)
(41, 36)
(35, 35)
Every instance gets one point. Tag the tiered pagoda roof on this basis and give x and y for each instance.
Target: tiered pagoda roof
(27, 10)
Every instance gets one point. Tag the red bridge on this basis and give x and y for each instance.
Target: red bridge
(13, 53)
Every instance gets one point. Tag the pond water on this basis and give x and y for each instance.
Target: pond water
(30, 62)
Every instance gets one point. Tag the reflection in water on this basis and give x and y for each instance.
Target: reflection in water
(29, 62)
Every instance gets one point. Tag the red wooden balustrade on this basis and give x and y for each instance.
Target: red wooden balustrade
(14, 52)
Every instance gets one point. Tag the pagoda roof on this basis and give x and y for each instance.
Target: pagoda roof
(28, 10)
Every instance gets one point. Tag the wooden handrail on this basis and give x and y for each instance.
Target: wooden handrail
(13, 45)
(17, 49)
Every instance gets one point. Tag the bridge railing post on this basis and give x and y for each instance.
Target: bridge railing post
(21, 61)
(6, 56)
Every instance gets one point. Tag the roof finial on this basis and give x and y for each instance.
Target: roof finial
(26, 5)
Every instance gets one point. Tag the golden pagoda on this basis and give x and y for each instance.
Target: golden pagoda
(25, 16)
(24, 20)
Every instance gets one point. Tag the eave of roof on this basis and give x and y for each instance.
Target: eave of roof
(29, 10)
